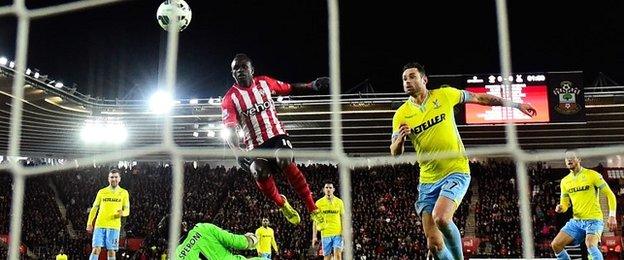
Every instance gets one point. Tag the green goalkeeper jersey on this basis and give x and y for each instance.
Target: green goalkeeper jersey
(212, 242)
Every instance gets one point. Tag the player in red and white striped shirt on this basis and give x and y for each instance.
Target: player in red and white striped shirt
(248, 105)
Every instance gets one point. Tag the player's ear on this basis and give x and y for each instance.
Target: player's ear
(425, 80)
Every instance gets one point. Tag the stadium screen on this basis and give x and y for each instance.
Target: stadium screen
(530, 89)
(557, 96)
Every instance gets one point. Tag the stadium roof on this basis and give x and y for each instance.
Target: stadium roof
(53, 118)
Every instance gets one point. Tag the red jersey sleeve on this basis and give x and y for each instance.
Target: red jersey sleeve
(277, 87)
(229, 114)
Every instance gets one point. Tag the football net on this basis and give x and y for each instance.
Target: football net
(178, 154)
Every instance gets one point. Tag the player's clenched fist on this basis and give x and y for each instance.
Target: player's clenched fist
(404, 131)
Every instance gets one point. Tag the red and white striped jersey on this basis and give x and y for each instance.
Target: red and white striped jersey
(253, 109)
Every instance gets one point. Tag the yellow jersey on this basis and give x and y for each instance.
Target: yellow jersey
(332, 211)
(107, 202)
(266, 239)
(61, 257)
(434, 131)
(582, 190)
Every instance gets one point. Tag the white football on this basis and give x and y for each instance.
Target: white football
(167, 11)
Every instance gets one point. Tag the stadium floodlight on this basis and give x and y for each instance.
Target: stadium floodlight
(36, 75)
(214, 101)
(194, 101)
(280, 99)
(211, 133)
(12, 64)
(58, 85)
(28, 71)
(3, 61)
(195, 134)
(225, 133)
(161, 102)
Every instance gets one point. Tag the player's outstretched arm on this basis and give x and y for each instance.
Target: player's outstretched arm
(491, 100)
(319, 85)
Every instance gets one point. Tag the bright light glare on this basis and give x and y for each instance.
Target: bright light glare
(225, 133)
(161, 102)
(3, 61)
(103, 132)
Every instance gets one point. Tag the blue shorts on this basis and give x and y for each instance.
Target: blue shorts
(331, 243)
(106, 238)
(454, 186)
(265, 255)
(578, 229)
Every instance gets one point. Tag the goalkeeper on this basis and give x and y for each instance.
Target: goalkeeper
(208, 241)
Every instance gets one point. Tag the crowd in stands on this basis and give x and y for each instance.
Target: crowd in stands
(385, 223)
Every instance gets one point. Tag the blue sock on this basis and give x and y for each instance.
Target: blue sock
(594, 252)
(563, 255)
(443, 254)
(452, 240)
(93, 257)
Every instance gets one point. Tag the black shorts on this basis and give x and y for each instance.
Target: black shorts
(275, 143)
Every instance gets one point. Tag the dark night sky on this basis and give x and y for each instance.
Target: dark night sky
(111, 50)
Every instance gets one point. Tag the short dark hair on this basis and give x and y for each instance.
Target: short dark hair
(328, 182)
(114, 171)
(415, 65)
(242, 57)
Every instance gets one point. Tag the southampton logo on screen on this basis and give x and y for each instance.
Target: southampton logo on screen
(567, 94)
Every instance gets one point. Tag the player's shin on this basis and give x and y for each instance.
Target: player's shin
(594, 252)
(563, 255)
(452, 239)
(298, 182)
(268, 187)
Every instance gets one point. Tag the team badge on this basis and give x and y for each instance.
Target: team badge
(567, 94)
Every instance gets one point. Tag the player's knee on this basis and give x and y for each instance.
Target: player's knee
(260, 169)
(96, 251)
(440, 220)
(556, 246)
(591, 242)
(284, 157)
(111, 253)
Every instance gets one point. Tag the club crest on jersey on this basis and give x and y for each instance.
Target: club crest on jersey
(436, 104)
